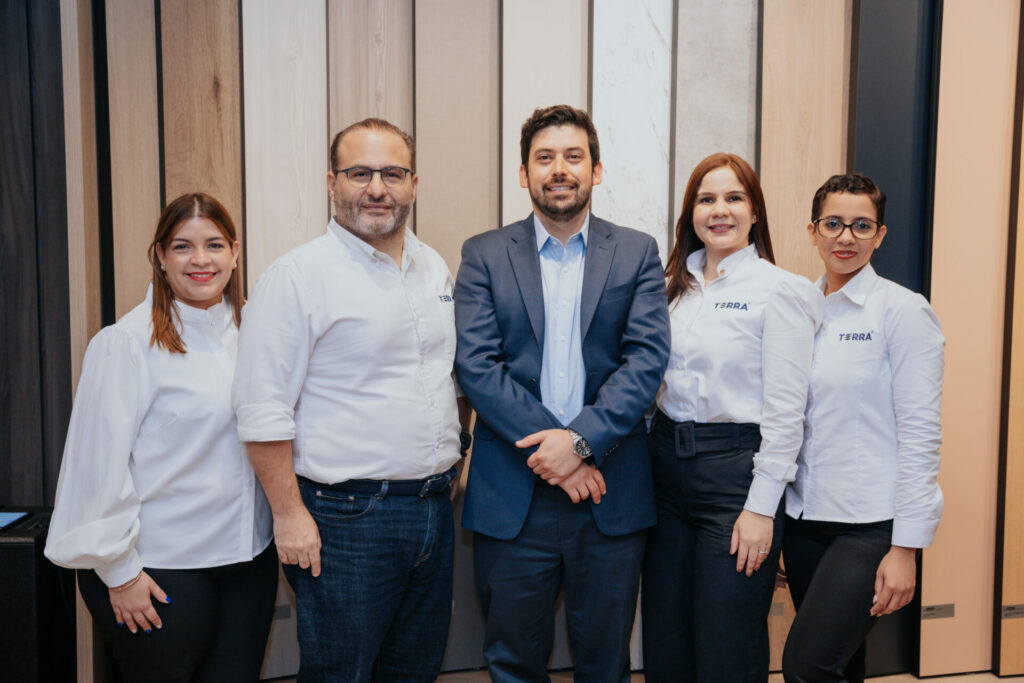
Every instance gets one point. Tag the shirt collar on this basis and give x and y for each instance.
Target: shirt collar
(543, 235)
(409, 248)
(857, 289)
(695, 262)
(213, 314)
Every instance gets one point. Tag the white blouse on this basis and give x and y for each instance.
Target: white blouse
(872, 435)
(153, 472)
(741, 352)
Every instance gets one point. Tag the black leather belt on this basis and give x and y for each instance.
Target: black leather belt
(432, 486)
(693, 438)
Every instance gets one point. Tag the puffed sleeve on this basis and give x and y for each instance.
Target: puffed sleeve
(275, 343)
(793, 313)
(95, 523)
(916, 354)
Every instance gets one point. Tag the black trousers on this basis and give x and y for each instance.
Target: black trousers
(215, 628)
(702, 620)
(831, 571)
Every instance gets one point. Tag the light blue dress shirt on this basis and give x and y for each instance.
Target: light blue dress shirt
(562, 373)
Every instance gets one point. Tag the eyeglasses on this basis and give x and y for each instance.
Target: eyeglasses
(361, 176)
(831, 227)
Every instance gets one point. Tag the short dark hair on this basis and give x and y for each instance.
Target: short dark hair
(373, 124)
(850, 183)
(558, 115)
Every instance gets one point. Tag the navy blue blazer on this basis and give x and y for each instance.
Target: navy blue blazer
(624, 327)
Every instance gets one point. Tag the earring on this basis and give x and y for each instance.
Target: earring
(234, 265)
(162, 267)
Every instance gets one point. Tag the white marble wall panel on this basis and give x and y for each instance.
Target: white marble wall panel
(544, 62)
(285, 114)
(632, 109)
(716, 85)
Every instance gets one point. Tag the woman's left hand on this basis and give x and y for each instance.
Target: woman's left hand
(751, 541)
(895, 580)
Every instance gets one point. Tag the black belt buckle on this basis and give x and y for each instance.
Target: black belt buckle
(686, 440)
(438, 482)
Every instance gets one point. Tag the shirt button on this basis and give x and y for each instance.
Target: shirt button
(565, 270)
(722, 271)
(564, 302)
(561, 412)
(562, 338)
(561, 374)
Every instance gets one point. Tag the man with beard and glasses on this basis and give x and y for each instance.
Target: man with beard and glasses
(563, 342)
(345, 398)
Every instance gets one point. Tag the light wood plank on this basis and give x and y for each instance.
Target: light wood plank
(805, 84)
(370, 71)
(973, 157)
(134, 144)
(202, 100)
(544, 62)
(285, 86)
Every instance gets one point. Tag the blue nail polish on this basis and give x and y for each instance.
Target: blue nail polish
(120, 623)
(168, 599)
(149, 630)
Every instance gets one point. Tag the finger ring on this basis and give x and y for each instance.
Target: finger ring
(762, 552)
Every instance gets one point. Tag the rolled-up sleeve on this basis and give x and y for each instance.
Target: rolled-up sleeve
(916, 352)
(794, 312)
(274, 346)
(95, 522)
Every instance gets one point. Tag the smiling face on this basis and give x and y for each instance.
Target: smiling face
(376, 211)
(560, 172)
(844, 256)
(722, 213)
(197, 262)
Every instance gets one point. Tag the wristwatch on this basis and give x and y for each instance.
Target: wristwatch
(579, 445)
(465, 441)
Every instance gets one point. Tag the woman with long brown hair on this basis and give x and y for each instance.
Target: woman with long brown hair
(725, 437)
(156, 496)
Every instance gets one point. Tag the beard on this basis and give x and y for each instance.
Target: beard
(371, 228)
(560, 209)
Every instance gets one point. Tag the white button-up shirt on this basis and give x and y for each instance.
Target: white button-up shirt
(872, 435)
(153, 472)
(741, 352)
(350, 357)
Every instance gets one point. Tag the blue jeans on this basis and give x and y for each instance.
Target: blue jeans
(380, 609)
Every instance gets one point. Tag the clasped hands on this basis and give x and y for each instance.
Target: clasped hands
(557, 463)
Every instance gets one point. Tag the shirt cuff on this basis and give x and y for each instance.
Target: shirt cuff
(764, 496)
(121, 571)
(265, 422)
(913, 534)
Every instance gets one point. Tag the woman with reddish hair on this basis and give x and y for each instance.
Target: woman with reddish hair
(156, 496)
(725, 437)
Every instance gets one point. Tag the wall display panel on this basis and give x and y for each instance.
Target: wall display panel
(973, 160)
(804, 107)
(370, 65)
(134, 144)
(633, 115)
(81, 188)
(715, 90)
(201, 80)
(544, 61)
(285, 91)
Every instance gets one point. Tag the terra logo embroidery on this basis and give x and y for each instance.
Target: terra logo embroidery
(735, 305)
(446, 298)
(855, 336)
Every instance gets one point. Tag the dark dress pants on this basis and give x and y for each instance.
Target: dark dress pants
(702, 620)
(831, 571)
(215, 629)
(519, 580)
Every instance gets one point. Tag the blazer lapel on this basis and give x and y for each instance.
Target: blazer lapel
(522, 252)
(598, 262)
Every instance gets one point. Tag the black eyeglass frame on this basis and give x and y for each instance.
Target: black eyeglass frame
(874, 233)
(346, 171)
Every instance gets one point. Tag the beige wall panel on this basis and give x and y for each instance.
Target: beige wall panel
(285, 86)
(80, 159)
(457, 112)
(804, 109)
(544, 62)
(972, 188)
(134, 144)
(370, 67)
(202, 100)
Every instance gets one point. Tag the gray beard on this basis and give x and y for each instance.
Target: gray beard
(348, 217)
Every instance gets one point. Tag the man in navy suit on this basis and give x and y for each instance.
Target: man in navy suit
(563, 339)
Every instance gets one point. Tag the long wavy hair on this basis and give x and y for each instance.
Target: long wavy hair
(687, 242)
(165, 315)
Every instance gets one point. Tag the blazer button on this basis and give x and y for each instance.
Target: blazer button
(533, 381)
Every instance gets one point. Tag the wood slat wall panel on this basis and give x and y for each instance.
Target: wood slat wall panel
(81, 189)
(968, 283)
(370, 70)
(805, 86)
(202, 100)
(285, 90)
(531, 78)
(134, 144)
